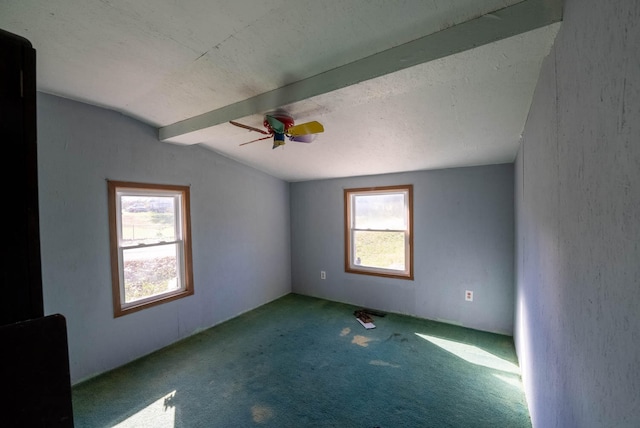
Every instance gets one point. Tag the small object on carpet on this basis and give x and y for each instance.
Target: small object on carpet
(373, 312)
(362, 315)
(364, 319)
(367, 325)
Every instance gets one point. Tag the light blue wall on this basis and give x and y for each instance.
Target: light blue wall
(463, 240)
(240, 232)
(578, 224)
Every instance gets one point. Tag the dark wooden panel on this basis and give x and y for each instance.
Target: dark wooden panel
(36, 385)
(34, 363)
(21, 272)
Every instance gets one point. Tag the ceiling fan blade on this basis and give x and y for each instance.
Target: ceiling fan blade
(258, 139)
(250, 128)
(278, 140)
(303, 138)
(276, 125)
(305, 129)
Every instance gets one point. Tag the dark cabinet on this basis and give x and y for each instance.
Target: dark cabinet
(21, 273)
(34, 369)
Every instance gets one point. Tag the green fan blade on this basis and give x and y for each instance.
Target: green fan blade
(276, 125)
(305, 129)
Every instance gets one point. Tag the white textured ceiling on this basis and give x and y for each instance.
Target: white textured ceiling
(399, 86)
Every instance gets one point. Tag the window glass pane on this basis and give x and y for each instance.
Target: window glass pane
(147, 219)
(386, 211)
(379, 249)
(150, 271)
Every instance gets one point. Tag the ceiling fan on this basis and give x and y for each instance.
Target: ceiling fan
(280, 124)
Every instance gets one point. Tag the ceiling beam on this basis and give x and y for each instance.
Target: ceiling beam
(507, 22)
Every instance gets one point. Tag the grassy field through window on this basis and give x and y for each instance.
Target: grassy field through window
(147, 277)
(379, 249)
(151, 270)
(147, 226)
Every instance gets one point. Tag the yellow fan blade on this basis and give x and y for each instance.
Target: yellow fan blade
(305, 129)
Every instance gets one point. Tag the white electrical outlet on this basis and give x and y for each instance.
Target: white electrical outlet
(323, 275)
(468, 296)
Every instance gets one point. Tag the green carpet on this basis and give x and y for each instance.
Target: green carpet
(306, 362)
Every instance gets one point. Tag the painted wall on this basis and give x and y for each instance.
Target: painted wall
(578, 224)
(240, 232)
(463, 240)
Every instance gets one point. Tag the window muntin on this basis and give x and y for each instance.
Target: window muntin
(150, 244)
(378, 231)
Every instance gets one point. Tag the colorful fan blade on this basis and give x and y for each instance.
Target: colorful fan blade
(250, 128)
(303, 138)
(258, 139)
(305, 129)
(278, 140)
(276, 125)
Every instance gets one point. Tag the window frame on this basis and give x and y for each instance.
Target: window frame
(349, 229)
(117, 189)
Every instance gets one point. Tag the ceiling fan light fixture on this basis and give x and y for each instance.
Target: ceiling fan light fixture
(303, 138)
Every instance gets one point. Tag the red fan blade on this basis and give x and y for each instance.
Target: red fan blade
(253, 141)
(250, 128)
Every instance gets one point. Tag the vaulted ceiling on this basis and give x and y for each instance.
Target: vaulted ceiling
(399, 86)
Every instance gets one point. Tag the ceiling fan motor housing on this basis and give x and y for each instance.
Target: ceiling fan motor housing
(285, 118)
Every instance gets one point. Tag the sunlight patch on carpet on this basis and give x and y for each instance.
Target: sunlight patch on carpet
(382, 363)
(159, 414)
(345, 331)
(510, 379)
(361, 340)
(473, 354)
(261, 414)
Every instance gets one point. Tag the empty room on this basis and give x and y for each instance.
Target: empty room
(322, 214)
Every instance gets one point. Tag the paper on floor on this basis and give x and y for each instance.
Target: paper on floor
(367, 325)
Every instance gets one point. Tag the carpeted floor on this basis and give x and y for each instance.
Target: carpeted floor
(306, 362)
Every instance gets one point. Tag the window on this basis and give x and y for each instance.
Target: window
(378, 231)
(150, 245)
